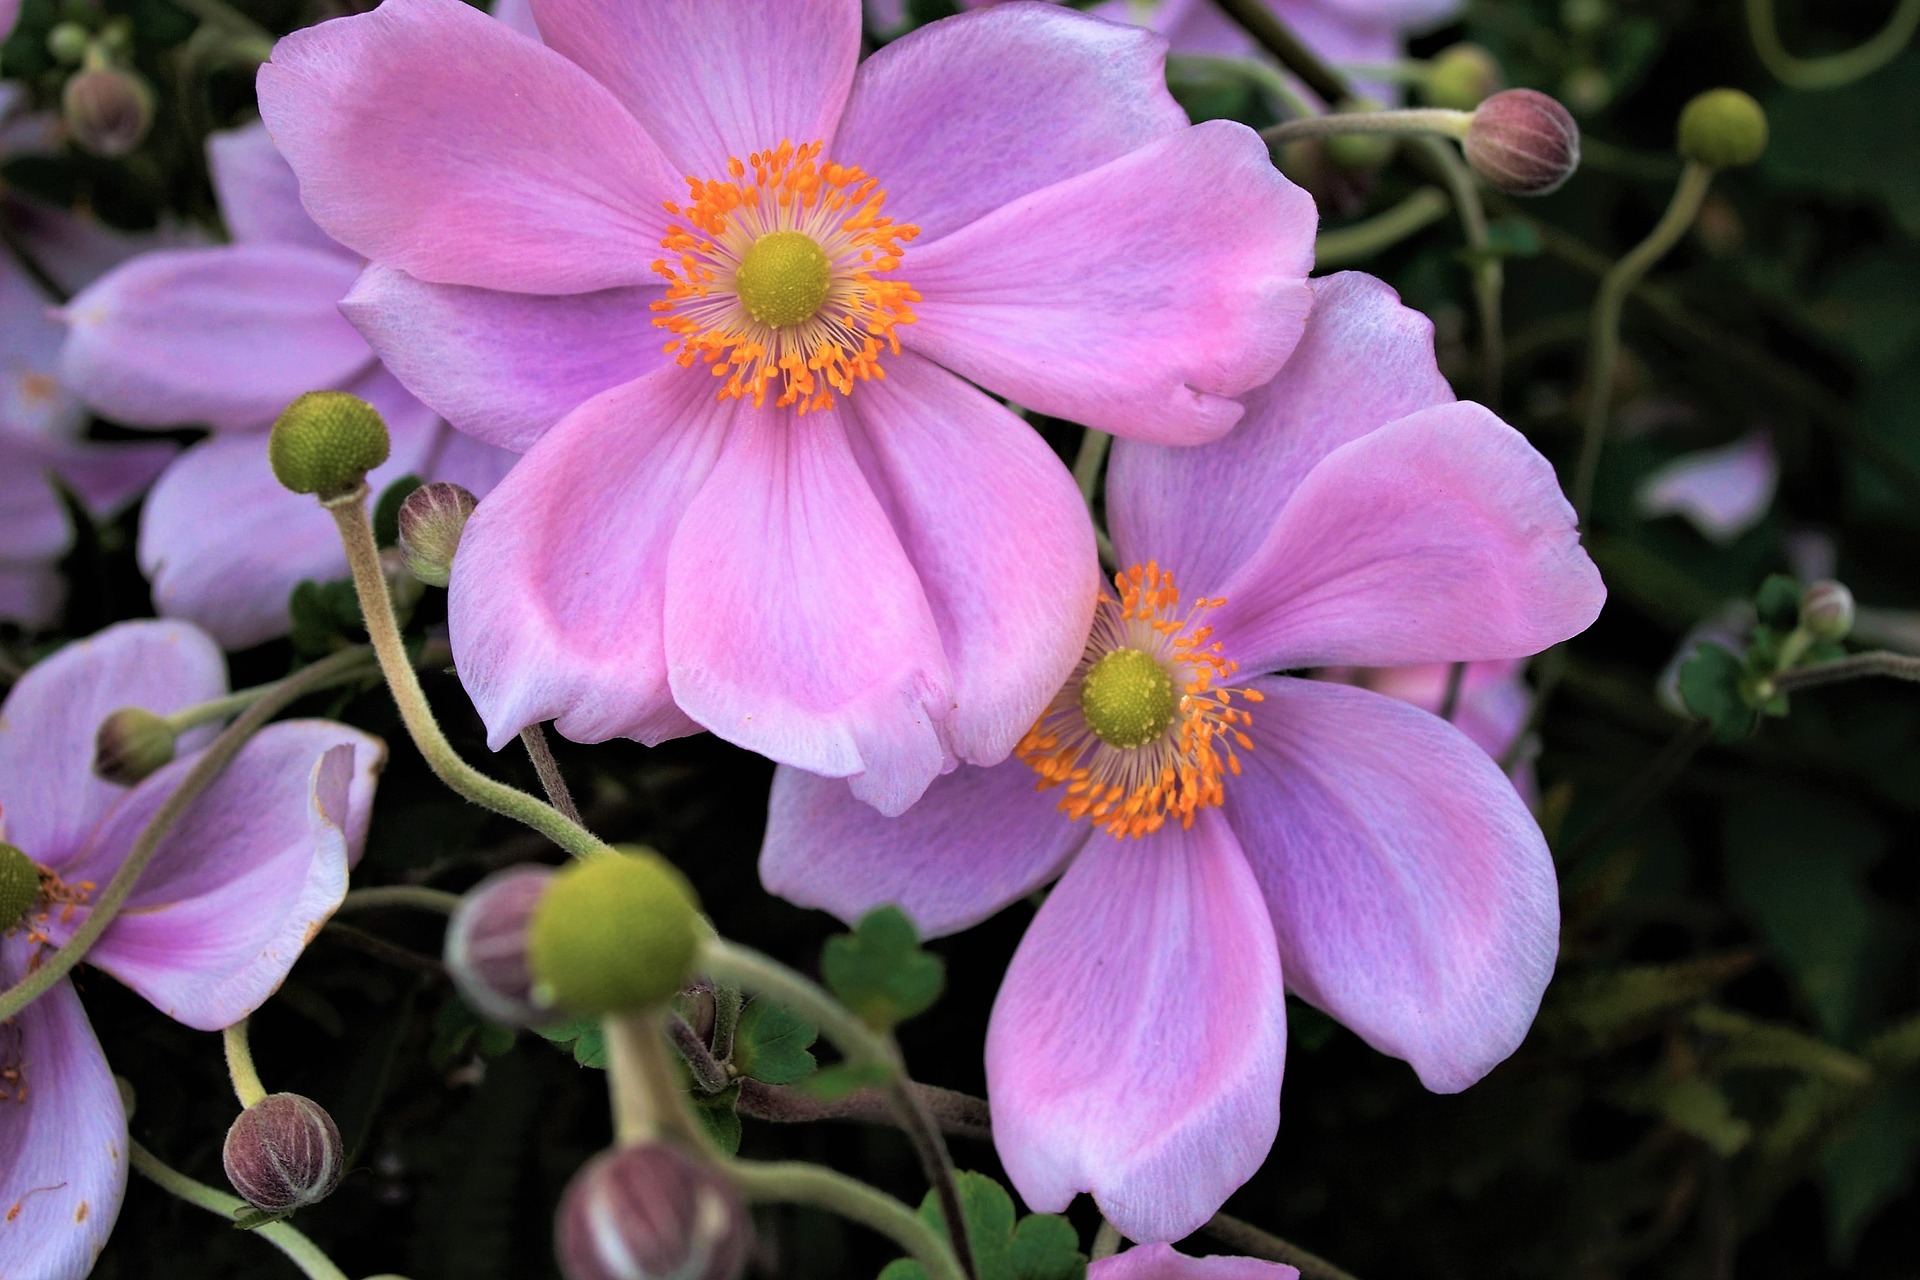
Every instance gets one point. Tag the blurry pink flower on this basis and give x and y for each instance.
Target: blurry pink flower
(1160, 1262)
(1358, 516)
(1492, 708)
(227, 335)
(1721, 492)
(240, 883)
(801, 529)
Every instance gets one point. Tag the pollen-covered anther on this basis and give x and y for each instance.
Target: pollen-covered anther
(784, 277)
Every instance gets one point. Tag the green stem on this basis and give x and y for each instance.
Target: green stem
(793, 1182)
(1254, 1242)
(376, 607)
(1086, 463)
(647, 1099)
(1488, 276)
(302, 1252)
(1106, 1241)
(240, 1068)
(234, 703)
(1261, 74)
(1276, 38)
(1421, 122)
(1345, 245)
(59, 962)
(1895, 666)
(401, 895)
(552, 781)
(1836, 69)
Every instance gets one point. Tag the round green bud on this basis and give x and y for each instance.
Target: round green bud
(1826, 611)
(1723, 129)
(132, 744)
(68, 41)
(325, 442)
(613, 933)
(1461, 76)
(19, 886)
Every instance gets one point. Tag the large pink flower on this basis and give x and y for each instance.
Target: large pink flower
(1219, 826)
(836, 552)
(227, 335)
(240, 883)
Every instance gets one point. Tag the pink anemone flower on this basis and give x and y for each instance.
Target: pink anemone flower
(1218, 829)
(238, 886)
(726, 288)
(1160, 1262)
(227, 335)
(1492, 708)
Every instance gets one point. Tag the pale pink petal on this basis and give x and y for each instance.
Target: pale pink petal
(1721, 492)
(63, 1139)
(505, 366)
(49, 797)
(1412, 893)
(976, 841)
(432, 138)
(464, 461)
(518, 15)
(714, 79)
(259, 196)
(1440, 537)
(1492, 706)
(1137, 297)
(34, 524)
(1136, 1046)
(1363, 361)
(225, 336)
(796, 624)
(33, 404)
(1160, 1262)
(31, 594)
(960, 117)
(999, 536)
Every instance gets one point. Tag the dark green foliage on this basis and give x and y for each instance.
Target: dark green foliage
(879, 970)
(1041, 1246)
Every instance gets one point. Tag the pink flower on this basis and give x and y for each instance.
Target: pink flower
(227, 335)
(1492, 707)
(240, 883)
(1160, 1262)
(1722, 492)
(836, 552)
(1219, 827)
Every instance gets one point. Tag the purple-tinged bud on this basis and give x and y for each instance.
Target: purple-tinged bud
(651, 1212)
(131, 745)
(1826, 611)
(486, 948)
(108, 111)
(1523, 143)
(19, 886)
(284, 1153)
(1722, 129)
(431, 520)
(1461, 76)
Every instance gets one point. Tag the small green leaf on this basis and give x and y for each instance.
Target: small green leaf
(879, 970)
(770, 1044)
(326, 617)
(254, 1219)
(1046, 1247)
(1711, 686)
(1040, 1247)
(583, 1037)
(841, 1079)
(716, 1114)
(458, 1030)
(1778, 602)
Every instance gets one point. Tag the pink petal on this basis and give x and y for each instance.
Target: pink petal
(1136, 297)
(1160, 1262)
(1363, 361)
(505, 366)
(518, 15)
(1492, 707)
(1136, 1046)
(431, 138)
(464, 461)
(960, 117)
(49, 797)
(34, 524)
(976, 841)
(714, 79)
(1412, 893)
(63, 1145)
(796, 624)
(259, 196)
(225, 336)
(1440, 537)
(1721, 492)
(31, 594)
(33, 404)
(558, 595)
(999, 537)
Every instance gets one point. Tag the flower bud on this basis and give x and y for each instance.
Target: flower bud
(1722, 129)
(613, 933)
(1461, 76)
(431, 520)
(1523, 143)
(132, 744)
(651, 1212)
(284, 1153)
(325, 442)
(68, 42)
(1826, 611)
(19, 886)
(486, 950)
(108, 111)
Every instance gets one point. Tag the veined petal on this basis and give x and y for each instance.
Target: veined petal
(259, 196)
(1160, 1262)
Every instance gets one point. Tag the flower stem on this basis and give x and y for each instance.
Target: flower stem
(1260, 22)
(1420, 122)
(401, 895)
(234, 703)
(1835, 69)
(1260, 73)
(552, 781)
(1256, 1243)
(1489, 277)
(960, 1114)
(302, 1252)
(1362, 240)
(794, 1182)
(1086, 463)
(647, 1099)
(240, 1068)
(376, 607)
(1896, 666)
(1106, 1241)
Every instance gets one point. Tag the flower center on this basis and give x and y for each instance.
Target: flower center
(784, 278)
(1143, 727)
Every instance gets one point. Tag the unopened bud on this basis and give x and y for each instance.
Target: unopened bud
(108, 111)
(67, 42)
(19, 886)
(651, 1212)
(431, 520)
(284, 1153)
(1826, 611)
(132, 744)
(486, 949)
(1523, 143)
(1722, 129)
(1462, 76)
(613, 933)
(325, 442)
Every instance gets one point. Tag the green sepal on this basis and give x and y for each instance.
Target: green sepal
(718, 1117)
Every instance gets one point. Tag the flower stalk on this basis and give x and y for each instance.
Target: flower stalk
(240, 1069)
(302, 1252)
(795, 1182)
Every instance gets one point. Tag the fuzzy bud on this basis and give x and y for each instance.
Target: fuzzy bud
(431, 520)
(132, 744)
(284, 1153)
(1826, 611)
(108, 111)
(613, 933)
(486, 950)
(1462, 76)
(325, 442)
(19, 886)
(651, 1212)
(1523, 143)
(1722, 129)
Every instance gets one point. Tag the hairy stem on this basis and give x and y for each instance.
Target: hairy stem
(1896, 666)
(793, 1182)
(1488, 275)
(1273, 35)
(1421, 122)
(401, 895)
(552, 781)
(240, 1068)
(959, 1114)
(647, 1099)
(1255, 1243)
(302, 1252)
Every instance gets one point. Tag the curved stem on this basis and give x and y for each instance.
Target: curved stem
(1489, 276)
(1835, 69)
(1254, 1242)
(552, 781)
(1276, 38)
(959, 1114)
(302, 1252)
(647, 1099)
(400, 895)
(1086, 463)
(1421, 122)
(1896, 666)
(240, 1068)
(1362, 240)
(1260, 73)
(793, 1182)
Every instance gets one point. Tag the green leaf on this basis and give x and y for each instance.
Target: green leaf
(841, 1079)
(1751, 1044)
(1039, 1247)
(326, 617)
(458, 1030)
(1609, 1006)
(1778, 602)
(583, 1037)
(386, 511)
(1698, 1107)
(716, 1114)
(1710, 685)
(1046, 1247)
(1870, 1164)
(879, 970)
(770, 1044)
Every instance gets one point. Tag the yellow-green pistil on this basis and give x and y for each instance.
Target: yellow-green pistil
(19, 886)
(783, 278)
(1128, 699)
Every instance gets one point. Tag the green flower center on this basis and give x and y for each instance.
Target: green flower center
(1127, 698)
(784, 278)
(19, 886)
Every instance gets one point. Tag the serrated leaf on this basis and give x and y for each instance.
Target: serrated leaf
(879, 970)
(1697, 1106)
(841, 1079)
(1711, 686)
(582, 1037)
(1046, 1247)
(717, 1115)
(1039, 1247)
(1751, 1044)
(770, 1044)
